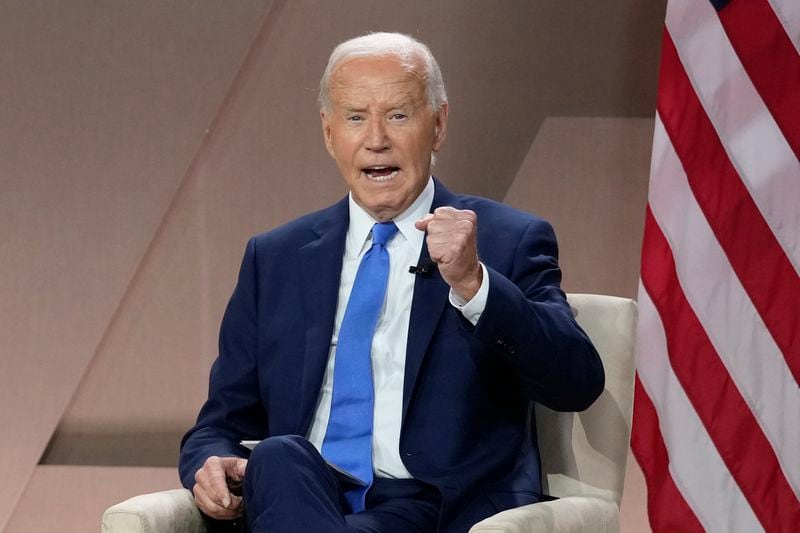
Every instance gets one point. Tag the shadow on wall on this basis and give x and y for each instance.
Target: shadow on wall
(134, 448)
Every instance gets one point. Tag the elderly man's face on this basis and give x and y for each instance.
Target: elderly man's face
(381, 130)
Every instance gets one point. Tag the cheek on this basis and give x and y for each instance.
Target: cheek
(344, 153)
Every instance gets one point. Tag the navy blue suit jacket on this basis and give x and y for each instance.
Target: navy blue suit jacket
(466, 390)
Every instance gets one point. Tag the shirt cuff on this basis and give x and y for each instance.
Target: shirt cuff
(473, 309)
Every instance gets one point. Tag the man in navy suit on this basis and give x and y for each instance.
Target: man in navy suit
(463, 342)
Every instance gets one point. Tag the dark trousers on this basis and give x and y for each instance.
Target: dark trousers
(288, 488)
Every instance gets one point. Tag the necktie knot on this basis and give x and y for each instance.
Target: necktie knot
(382, 232)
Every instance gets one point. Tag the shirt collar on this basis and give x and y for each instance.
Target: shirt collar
(361, 222)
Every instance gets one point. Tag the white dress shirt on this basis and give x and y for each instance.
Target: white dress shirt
(391, 333)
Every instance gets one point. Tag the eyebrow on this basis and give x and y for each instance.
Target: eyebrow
(353, 108)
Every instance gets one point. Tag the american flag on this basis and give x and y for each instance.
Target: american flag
(717, 399)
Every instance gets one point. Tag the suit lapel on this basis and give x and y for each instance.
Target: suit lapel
(321, 267)
(430, 297)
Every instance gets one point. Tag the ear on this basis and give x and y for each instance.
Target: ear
(327, 134)
(440, 127)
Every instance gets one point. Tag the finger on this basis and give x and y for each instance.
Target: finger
(443, 229)
(211, 508)
(214, 480)
(439, 226)
(445, 211)
(204, 502)
(241, 466)
(443, 254)
(236, 504)
(462, 225)
(235, 477)
(451, 213)
(448, 247)
(218, 482)
(234, 467)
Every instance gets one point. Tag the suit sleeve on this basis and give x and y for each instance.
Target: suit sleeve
(528, 323)
(233, 410)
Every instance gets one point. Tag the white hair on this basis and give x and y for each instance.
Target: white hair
(407, 49)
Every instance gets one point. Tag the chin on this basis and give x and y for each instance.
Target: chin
(383, 212)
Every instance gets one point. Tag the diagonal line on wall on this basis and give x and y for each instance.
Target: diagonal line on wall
(271, 16)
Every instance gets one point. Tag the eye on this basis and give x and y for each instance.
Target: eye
(355, 118)
(399, 116)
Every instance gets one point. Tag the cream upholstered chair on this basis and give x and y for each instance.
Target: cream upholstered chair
(170, 511)
(583, 454)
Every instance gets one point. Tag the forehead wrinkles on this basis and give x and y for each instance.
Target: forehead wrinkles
(383, 96)
(348, 83)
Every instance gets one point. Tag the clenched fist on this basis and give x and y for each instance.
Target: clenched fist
(452, 244)
(217, 487)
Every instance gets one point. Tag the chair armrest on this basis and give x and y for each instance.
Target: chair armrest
(573, 514)
(170, 511)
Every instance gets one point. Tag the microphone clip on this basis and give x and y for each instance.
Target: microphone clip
(425, 268)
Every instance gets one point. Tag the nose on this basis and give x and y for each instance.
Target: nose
(377, 138)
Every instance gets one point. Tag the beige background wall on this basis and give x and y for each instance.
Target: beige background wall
(142, 142)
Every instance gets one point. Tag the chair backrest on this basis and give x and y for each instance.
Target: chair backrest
(586, 453)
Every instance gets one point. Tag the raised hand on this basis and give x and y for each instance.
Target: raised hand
(452, 245)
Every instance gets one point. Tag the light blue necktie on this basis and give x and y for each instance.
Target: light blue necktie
(348, 439)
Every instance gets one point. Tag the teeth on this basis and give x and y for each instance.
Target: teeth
(391, 176)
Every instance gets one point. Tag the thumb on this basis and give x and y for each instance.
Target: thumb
(422, 224)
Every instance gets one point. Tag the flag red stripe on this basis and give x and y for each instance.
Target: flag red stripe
(770, 59)
(755, 255)
(666, 506)
(742, 445)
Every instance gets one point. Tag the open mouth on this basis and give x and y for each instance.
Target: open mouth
(380, 172)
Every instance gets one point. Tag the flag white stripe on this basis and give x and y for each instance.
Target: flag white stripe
(751, 137)
(788, 12)
(753, 360)
(694, 463)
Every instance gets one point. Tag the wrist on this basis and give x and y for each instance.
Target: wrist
(469, 286)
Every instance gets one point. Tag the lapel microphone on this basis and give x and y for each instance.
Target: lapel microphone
(424, 268)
